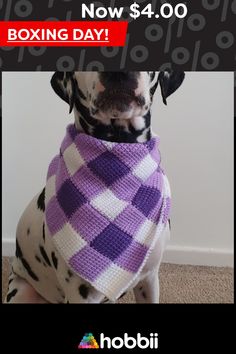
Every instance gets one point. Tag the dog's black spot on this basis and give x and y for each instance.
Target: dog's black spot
(54, 260)
(81, 93)
(94, 110)
(84, 111)
(45, 256)
(144, 295)
(9, 282)
(11, 294)
(169, 224)
(67, 280)
(41, 200)
(37, 258)
(84, 290)
(152, 75)
(29, 270)
(28, 231)
(43, 232)
(19, 253)
(140, 100)
(148, 135)
(70, 273)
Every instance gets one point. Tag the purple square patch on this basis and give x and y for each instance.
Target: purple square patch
(146, 199)
(108, 167)
(104, 243)
(70, 198)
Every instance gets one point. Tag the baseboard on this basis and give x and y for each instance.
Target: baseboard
(199, 256)
(8, 247)
(174, 254)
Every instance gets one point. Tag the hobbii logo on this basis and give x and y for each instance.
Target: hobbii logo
(126, 341)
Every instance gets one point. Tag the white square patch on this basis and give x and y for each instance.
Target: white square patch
(113, 280)
(108, 204)
(109, 144)
(167, 191)
(145, 168)
(51, 189)
(68, 241)
(146, 233)
(73, 159)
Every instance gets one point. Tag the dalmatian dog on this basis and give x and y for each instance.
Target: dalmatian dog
(116, 107)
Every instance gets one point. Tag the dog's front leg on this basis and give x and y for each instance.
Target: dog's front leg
(147, 290)
(78, 291)
(21, 292)
(89, 296)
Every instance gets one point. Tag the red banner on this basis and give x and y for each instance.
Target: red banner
(62, 33)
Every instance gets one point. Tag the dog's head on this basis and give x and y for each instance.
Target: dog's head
(115, 95)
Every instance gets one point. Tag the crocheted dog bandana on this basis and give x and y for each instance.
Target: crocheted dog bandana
(106, 205)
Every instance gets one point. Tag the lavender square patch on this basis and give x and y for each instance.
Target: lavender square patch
(52, 169)
(89, 263)
(55, 217)
(139, 151)
(133, 257)
(129, 220)
(88, 222)
(62, 174)
(87, 148)
(126, 187)
(87, 182)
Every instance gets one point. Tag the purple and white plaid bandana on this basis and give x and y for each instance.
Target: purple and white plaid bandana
(106, 205)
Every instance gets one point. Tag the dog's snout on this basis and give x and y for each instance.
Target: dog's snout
(122, 77)
(113, 76)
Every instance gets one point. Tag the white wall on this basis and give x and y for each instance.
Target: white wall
(196, 130)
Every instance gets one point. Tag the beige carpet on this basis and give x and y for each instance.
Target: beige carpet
(179, 284)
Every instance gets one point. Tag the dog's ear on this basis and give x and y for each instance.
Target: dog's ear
(170, 81)
(63, 83)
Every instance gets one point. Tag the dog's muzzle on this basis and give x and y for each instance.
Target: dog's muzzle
(127, 79)
(118, 99)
